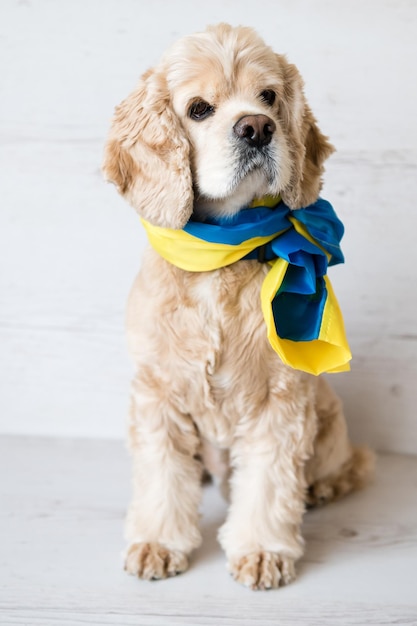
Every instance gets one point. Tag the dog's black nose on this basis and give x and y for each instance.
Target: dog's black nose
(256, 130)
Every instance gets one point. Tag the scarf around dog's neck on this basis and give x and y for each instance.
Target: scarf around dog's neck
(303, 319)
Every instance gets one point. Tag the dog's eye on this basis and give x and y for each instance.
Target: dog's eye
(200, 110)
(268, 96)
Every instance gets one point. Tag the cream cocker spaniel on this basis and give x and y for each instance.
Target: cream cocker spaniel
(220, 121)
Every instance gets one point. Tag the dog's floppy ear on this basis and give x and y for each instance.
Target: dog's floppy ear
(309, 148)
(147, 155)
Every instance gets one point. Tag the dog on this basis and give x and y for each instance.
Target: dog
(221, 120)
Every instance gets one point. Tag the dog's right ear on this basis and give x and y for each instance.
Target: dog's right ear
(309, 148)
(147, 155)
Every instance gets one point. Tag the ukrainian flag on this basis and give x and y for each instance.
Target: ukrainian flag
(303, 319)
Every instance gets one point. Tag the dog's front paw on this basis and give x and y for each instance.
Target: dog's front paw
(263, 570)
(153, 561)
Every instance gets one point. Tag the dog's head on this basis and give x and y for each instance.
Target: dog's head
(221, 120)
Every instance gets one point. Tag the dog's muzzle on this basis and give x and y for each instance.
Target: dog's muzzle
(254, 148)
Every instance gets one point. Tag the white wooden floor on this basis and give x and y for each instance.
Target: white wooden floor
(61, 513)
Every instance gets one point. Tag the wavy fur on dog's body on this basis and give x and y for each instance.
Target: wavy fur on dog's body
(208, 386)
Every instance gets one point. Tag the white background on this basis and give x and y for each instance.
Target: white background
(70, 247)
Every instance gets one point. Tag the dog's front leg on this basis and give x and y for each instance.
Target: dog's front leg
(162, 522)
(262, 534)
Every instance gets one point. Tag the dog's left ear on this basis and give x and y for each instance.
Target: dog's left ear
(147, 155)
(309, 148)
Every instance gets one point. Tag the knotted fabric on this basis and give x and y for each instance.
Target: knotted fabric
(303, 318)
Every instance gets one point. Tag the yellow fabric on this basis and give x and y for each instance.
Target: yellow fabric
(329, 353)
(198, 255)
(268, 201)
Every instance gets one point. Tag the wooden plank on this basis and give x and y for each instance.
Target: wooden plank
(61, 511)
(285, 615)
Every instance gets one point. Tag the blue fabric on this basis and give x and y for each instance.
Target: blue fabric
(324, 226)
(248, 223)
(298, 316)
(299, 303)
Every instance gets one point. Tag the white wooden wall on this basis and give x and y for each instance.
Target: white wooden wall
(70, 247)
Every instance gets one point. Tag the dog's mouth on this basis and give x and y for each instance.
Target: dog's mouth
(253, 159)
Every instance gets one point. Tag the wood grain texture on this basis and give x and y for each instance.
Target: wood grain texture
(62, 505)
(70, 247)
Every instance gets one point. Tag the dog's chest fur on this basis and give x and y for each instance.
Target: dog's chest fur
(205, 341)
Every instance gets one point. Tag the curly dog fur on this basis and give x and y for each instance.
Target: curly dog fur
(208, 388)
